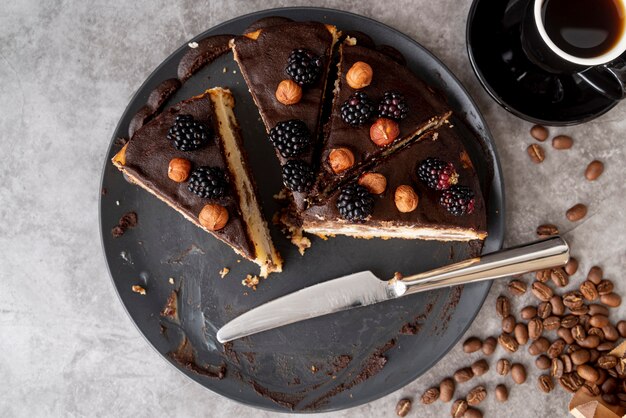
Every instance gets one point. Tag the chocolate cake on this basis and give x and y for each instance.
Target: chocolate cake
(191, 157)
(285, 65)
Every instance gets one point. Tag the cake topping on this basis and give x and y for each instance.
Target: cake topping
(178, 169)
(290, 138)
(357, 110)
(208, 182)
(187, 134)
(340, 159)
(406, 199)
(213, 217)
(288, 92)
(393, 106)
(437, 174)
(384, 131)
(303, 66)
(458, 200)
(375, 183)
(297, 176)
(355, 203)
(359, 75)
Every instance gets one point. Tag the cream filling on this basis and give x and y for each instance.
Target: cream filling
(266, 255)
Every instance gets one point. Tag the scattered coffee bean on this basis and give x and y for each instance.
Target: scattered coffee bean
(609, 385)
(580, 357)
(521, 333)
(572, 266)
(489, 346)
(463, 375)
(587, 372)
(556, 348)
(544, 310)
(545, 383)
(430, 396)
(565, 333)
(547, 230)
(542, 275)
(569, 321)
(473, 413)
(591, 341)
(517, 287)
(459, 407)
(508, 343)
(579, 333)
(558, 308)
(576, 212)
(539, 346)
(598, 321)
(621, 370)
(596, 331)
(503, 306)
(573, 300)
(559, 277)
(518, 373)
(580, 311)
(530, 312)
(588, 290)
(604, 287)
(557, 368)
(591, 389)
(595, 274)
(508, 324)
(446, 389)
(502, 393)
(543, 362)
(541, 291)
(611, 399)
(476, 395)
(403, 407)
(594, 170)
(568, 365)
(596, 309)
(503, 367)
(539, 132)
(551, 323)
(571, 382)
(611, 299)
(610, 332)
(562, 142)
(535, 328)
(594, 355)
(480, 367)
(605, 346)
(472, 344)
(536, 153)
(621, 327)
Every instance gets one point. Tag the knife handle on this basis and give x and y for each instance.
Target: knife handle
(539, 255)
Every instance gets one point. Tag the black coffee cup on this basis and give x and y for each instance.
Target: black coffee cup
(603, 68)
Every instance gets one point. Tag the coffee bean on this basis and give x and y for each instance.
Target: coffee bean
(573, 300)
(480, 367)
(472, 344)
(621, 327)
(609, 385)
(591, 389)
(446, 389)
(489, 346)
(588, 290)
(568, 365)
(430, 396)
(565, 333)
(595, 309)
(610, 399)
(620, 368)
(571, 382)
(612, 299)
(576, 212)
(558, 308)
(599, 321)
(503, 306)
(587, 372)
(508, 343)
(502, 393)
(596, 331)
(572, 266)
(594, 170)
(591, 341)
(551, 323)
(580, 357)
(603, 376)
(594, 355)
(562, 142)
(542, 291)
(545, 383)
(508, 324)
(536, 153)
(476, 395)
(459, 407)
(539, 132)
(556, 348)
(604, 287)
(503, 366)
(544, 310)
(610, 332)
(556, 367)
(517, 287)
(403, 407)
(530, 312)
(547, 230)
(582, 310)
(595, 274)
(518, 373)
(579, 333)
(543, 362)
(535, 328)
(473, 413)
(463, 375)
(542, 275)
(559, 277)
(605, 346)
(521, 333)
(539, 346)
(569, 321)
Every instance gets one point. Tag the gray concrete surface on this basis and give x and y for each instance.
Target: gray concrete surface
(68, 69)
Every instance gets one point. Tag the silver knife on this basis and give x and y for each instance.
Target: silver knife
(364, 288)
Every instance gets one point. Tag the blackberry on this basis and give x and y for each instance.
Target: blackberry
(208, 182)
(357, 110)
(303, 66)
(393, 106)
(458, 200)
(290, 138)
(187, 134)
(297, 176)
(355, 203)
(437, 174)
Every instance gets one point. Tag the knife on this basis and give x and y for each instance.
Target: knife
(364, 288)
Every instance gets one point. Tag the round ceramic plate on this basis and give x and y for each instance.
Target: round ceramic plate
(328, 363)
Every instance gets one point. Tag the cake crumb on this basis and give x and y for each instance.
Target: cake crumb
(117, 202)
(250, 281)
(398, 276)
(224, 69)
(171, 280)
(314, 369)
(239, 261)
(224, 272)
(138, 289)
(234, 71)
(193, 45)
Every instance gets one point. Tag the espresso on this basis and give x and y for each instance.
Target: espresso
(584, 28)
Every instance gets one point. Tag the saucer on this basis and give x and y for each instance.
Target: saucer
(522, 88)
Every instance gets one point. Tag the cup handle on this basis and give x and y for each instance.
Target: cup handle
(608, 79)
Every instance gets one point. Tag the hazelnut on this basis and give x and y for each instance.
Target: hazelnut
(406, 199)
(375, 183)
(340, 159)
(384, 131)
(359, 75)
(178, 169)
(213, 217)
(288, 92)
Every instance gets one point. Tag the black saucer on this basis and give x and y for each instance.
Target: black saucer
(495, 51)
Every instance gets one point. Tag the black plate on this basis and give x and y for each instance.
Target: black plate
(519, 86)
(164, 245)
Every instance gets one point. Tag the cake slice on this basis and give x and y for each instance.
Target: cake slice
(191, 157)
(285, 65)
(428, 190)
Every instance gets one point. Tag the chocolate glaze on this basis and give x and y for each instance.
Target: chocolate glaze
(208, 49)
(400, 168)
(148, 155)
(185, 357)
(155, 102)
(266, 22)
